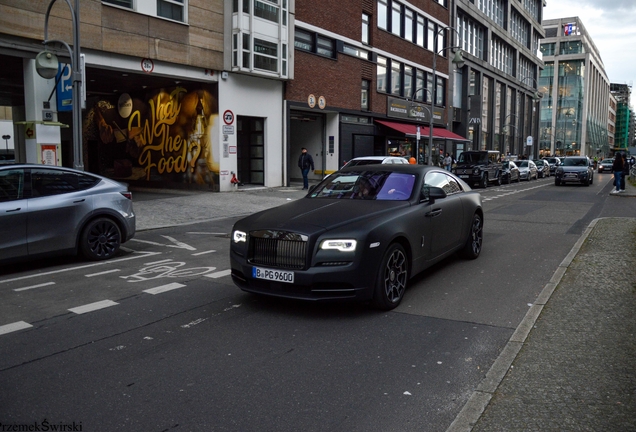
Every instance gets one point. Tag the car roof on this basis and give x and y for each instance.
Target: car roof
(380, 158)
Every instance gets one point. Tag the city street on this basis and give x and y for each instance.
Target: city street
(159, 338)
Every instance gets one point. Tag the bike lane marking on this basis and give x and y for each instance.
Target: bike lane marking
(33, 286)
(10, 328)
(177, 244)
(203, 253)
(102, 273)
(218, 274)
(164, 288)
(93, 306)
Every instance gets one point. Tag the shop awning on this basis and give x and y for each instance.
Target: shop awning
(410, 129)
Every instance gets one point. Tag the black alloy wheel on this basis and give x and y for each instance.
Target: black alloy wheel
(392, 278)
(100, 239)
(473, 245)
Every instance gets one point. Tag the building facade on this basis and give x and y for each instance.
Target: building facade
(177, 94)
(575, 117)
(497, 94)
(364, 81)
(623, 136)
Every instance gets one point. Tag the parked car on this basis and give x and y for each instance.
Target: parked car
(527, 170)
(509, 172)
(374, 160)
(7, 157)
(479, 167)
(575, 169)
(46, 210)
(554, 163)
(606, 165)
(358, 235)
(543, 168)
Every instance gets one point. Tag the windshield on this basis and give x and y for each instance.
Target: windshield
(539, 163)
(522, 164)
(366, 185)
(466, 157)
(575, 162)
(363, 162)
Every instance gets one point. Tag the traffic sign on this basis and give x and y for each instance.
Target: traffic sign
(228, 117)
(64, 88)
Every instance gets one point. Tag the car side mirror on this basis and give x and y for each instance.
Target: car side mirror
(432, 193)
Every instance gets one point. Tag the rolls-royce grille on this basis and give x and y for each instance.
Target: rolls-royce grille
(278, 249)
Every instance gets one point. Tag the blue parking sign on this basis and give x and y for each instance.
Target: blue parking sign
(64, 88)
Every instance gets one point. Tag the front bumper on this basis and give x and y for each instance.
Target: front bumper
(575, 177)
(349, 281)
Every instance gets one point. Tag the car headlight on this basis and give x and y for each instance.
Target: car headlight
(341, 245)
(239, 236)
(476, 171)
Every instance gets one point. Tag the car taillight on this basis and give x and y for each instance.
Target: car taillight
(127, 194)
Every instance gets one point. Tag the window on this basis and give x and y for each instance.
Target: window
(11, 185)
(365, 28)
(419, 86)
(364, 102)
(266, 11)
(430, 37)
(45, 182)
(381, 74)
(265, 55)
(396, 19)
(303, 40)
(396, 78)
(419, 38)
(548, 49)
(383, 17)
(355, 51)
(408, 25)
(171, 9)
(440, 91)
(440, 180)
(324, 46)
(122, 3)
(408, 81)
(246, 51)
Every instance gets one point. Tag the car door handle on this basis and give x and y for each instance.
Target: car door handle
(79, 201)
(14, 210)
(434, 213)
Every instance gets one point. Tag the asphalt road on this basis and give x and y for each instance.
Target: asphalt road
(160, 339)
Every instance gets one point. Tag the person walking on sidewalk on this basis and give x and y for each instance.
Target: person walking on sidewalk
(617, 167)
(305, 162)
(625, 172)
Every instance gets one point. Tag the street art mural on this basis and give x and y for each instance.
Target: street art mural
(163, 138)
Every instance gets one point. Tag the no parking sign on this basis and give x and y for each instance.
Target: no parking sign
(228, 117)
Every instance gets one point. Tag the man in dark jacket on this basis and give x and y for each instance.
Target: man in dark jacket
(305, 162)
(625, 172)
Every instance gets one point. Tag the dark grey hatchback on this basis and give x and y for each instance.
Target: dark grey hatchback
(48, 209)
(575, 169)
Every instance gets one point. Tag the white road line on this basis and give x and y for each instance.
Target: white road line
(219, 274)
(204, 233)
(164, 288)
(9, 328)
(158, 262)
(203, 253)
(112, 261)
(102, 273)
(93, 306)
(33, 286)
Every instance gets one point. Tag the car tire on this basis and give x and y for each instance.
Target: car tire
(484, 181)
(473, 245)
(518, 178)
(557, 182)
(587, 182)
(100, 239)
(498, 182)
(509, 178)
(392, 278)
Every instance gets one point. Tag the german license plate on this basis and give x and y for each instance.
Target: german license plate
(273, 275)
(463, 176)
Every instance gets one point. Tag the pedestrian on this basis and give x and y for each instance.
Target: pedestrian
(448, 162)
(305, 163)
(617, 167)
(625, 172)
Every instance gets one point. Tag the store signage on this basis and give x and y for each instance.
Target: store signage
(125, 105)
(228, 130)
(569, 29)
(401, 108)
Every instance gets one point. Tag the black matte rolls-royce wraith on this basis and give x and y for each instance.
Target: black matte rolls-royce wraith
(360, 234)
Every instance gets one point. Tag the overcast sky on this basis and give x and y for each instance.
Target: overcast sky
(611, 25)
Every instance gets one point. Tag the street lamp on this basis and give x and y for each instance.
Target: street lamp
(46, 64)
(6, 139)
(458, 60)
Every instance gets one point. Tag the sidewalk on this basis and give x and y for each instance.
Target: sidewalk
(571, 364)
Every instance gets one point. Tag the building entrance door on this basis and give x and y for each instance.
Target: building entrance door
(250, 149)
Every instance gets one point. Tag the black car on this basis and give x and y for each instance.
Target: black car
(509, 172)
(479, 167)
(543, 168)
(360, 234)
(575, 169)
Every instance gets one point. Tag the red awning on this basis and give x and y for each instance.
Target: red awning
(410, 129)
